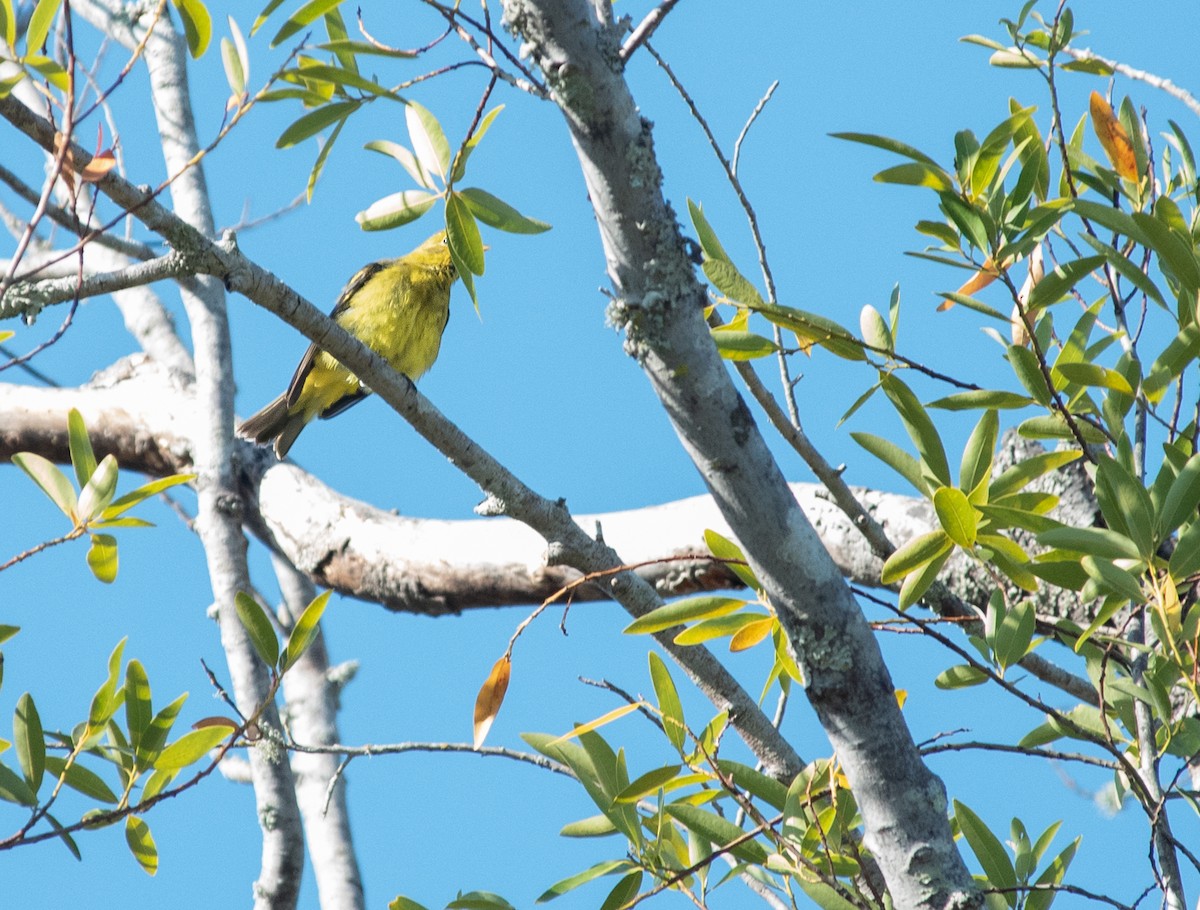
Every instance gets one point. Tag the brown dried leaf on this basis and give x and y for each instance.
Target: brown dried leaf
(490, 698)
(978, 281)
(215, 721)
(100, 165)
(1113, 137)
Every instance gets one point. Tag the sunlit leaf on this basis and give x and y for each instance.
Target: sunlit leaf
(141, 844)
(258, 627)
(1113, 137)
(304, 631)
(490, 698)
(197, 25)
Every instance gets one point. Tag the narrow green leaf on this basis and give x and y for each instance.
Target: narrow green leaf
(960, 677)
(50, 479)
(13, 789)
(197, 25)
(1103, 542)
(814, 329)
(463, 232)
(339, 76)
(725, 549)
(29, 742)
(608, 867)
(1020, 475)
(720, 627)
(400, 902)
(302, 18)
(920, 429)
(736, 344)
(138, 709)
(648, 783)
(668, 702)
(716, 830)
(8, 23)
(154, 738)
(145, 491)
(917, 583)
(915, 553)
(1126, 505)
(988, 850)
(258, 627)
(459, 169)
(1056, 284)
(81, 779)
(304, 631)
(102, 557)
(1128, 270)
(1182, 350)
(976, 466)
(190, 747)
(1054, 426)
(1113, 578)
(39, 25)
(141, 844)
(982, 398)
(916, 174)
(709, 244)
(396, 209)
(623, 891)
(1028, 370)
(1051, 878)
(895, 458)
(726, 278)
(887, 144)
(956, 516)
(1185, 560)
(499, 214)
(1014, 634)
(314, 121)
(593, 826)
(703, 606)
(98, 492)
(405, 158)
(428, 139)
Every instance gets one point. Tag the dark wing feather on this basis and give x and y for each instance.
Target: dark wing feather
(344, 403)
(353, 286)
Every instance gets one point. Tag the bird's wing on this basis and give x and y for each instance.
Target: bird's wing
(353, 286)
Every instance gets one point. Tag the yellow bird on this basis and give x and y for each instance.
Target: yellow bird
(399, 308)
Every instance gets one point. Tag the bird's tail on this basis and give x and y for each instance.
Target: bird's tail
(274, 423)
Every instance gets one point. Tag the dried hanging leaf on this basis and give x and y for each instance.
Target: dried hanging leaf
(978, 281)
(1113, 137)
(100, 165)
(1019, 326)
(491, 696)
(901, 697)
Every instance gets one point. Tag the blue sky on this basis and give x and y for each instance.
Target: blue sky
(543, 384)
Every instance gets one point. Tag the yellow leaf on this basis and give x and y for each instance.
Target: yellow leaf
(751, 634)
(614, 714)
(100, 165)
(1113, 137)
(901, 697)
(490, 698)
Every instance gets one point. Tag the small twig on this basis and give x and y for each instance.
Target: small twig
(1189, 100)
(645, 29)
(758, 109)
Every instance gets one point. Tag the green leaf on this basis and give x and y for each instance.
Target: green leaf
(258, 627)
(668, 702)
(400, 902)
(703, 606)
(148, 749)
(466, 246)
(976, 466)
(81, 779)
(102, 557)
(1181, 500)
(7, 632)
(304, 631)
(716, 830)
(648, 783)
(235, 59)
(895, 458)
(814, 329)
(1114, 578)
(890, 145)
(737, 344)
(960, 677)
(720, 627)
(1126, 505)
(428, 139)
(623, 891)
(916, 174)
(339, 76)
(459, 169)
(735, 560)
(1054, 426)
(396, 210)
(322, 156)
(499, 214)
(138, 710)
(1028, 370)
(53, 482)
(8, 23)
(917, 583)
(920, 429)
(303, 17)
(915, 553)
(726, 278)
(1103, 542)
(874, 328)
(14, 790)
(593, 826)
(1183, 350)
(98, 492)
(39, 25)
(1054, 285)
(988, 850)
(315, 121)
(1185, 560)
(608, 867)
(709, 244)
(197, 25)
(190, 747)
(981, 398)
(956, 516)
(129, 500)
(1128, 270)
(405, 158)
(141, 843)
(1014, 634)
(30, 742)
(1092, 374)
(1052, 877)
(359, 48)
(1020, 475)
